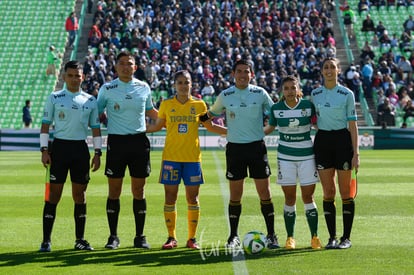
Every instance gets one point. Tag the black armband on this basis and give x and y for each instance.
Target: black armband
(204, 117)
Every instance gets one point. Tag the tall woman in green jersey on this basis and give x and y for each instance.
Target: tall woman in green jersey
(294, 117)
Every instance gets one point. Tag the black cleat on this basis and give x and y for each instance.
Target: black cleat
(332, 244)
(141, 242)
(345, 243)
(83, 245)
(233, 242)
(113, 242)
(272, 242)
(45, 247)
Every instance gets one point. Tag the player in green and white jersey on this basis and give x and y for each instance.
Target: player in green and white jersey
(294, 117)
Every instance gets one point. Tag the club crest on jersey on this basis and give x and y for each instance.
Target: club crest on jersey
(192, 110)
(61, 115)
(346, 166)
(232, 115)
(303, 112)
(117, 107)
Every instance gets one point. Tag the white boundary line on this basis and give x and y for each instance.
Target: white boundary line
(239, 261)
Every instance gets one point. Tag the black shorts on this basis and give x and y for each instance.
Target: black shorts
(333, 149)
(252, 156)
(69, 155)
(128, 150)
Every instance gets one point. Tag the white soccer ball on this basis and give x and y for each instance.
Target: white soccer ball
(254, 242)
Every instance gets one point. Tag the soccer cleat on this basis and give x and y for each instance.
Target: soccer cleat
(233, 242)
(332, 244)
(290, 243)
(192, 243)
(345, 243)
(141, 242)
(45, 247)
(272, 242)
(316, 242)
(170, 243)
(82, 245)
(113, 242)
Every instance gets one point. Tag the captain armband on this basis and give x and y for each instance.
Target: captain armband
(204, 117)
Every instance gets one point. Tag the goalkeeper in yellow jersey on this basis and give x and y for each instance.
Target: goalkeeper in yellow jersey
(181, 158)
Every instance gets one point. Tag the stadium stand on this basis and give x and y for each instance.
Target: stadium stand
(393, 19)
(210, 36)
(27, 29)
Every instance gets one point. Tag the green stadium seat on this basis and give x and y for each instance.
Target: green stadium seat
(23, 53)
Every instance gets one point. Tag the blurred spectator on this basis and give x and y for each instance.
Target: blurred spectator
(377, 81)
(72, 27)
(403, 96)
(353, 81)
(363, 6)
(409, 23)
(405, 41)
(368, 24)
(408, 112)
(206, 37)
(385, 41)
(386, 114)
(52, 57)
(349, 19)
(367, 52)
(367, 73)
(380, 96)
(393, 97)
(94, 36)
(27, 117)
(384, 68)
(380, 29)
(208, 89)
(404, 69)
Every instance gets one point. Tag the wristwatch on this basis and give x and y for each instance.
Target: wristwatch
(42, 149)
(98, 152)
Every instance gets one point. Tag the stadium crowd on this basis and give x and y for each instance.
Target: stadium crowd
(206, 37)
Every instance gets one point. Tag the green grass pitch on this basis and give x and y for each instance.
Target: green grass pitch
(382, 237)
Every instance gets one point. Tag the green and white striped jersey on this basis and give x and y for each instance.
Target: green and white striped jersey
(294, 125)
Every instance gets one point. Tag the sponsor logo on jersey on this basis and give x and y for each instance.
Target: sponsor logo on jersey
(182, 128)
(109, 87)
(341, 92)
(59, 95)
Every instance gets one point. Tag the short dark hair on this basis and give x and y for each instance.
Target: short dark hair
(242, 62)
(122, 54)
(73, 64)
